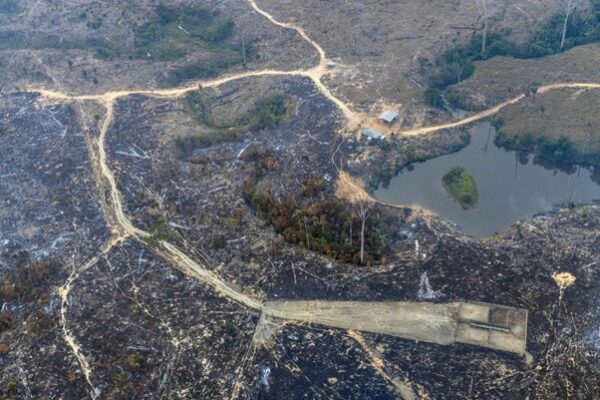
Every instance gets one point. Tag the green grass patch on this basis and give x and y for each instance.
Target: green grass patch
(461, 186)
(267, 113)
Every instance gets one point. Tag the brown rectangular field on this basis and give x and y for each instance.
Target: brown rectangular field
(487, 325)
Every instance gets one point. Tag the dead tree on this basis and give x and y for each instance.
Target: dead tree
(364, 207)
(486, 10)
(568, 7)
(352, 191)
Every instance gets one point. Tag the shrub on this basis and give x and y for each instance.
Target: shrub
(136, 361)
(219, 242)
(159, 231)
(461, 186)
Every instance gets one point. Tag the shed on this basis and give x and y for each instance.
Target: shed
(330, 64)
(370, 133)
(389, 116)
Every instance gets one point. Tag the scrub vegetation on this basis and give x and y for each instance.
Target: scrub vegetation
(267, 113)
(457, 64)
(314, 219)
(461, 186)
(561, 126)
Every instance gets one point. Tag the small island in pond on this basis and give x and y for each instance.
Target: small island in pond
(461, 186)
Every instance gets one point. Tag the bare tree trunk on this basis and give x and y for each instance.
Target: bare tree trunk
(485, 13)
(363, 220)
(485, 32)
(244, 48)
(568, 7)
(564, 32)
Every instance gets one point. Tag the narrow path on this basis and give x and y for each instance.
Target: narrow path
(64, 292)
(402, 388)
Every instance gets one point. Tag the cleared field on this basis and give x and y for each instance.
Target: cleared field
(501, 78)
(481, 324)
(385, 49)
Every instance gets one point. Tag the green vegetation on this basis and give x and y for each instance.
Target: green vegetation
(136, 361)
(560, 150)
(159, 231)
(178, 29)
(325, 226)
(461, 186)
(121, 379)
(457, 64)
(267, 113)
(9, 7)
(226, 57)
(11, 386)
(220, 242)
(313, 219)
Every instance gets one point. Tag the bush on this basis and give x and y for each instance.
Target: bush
(268, 113)
(219, 242)
(561, 150)
(433, 97)
(159, 231)
(461, 186)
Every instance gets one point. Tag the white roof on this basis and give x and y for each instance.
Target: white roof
(373, 134)
(389, 116)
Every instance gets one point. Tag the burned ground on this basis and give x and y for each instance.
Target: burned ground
(84, 315)
(48, 196)
(160, 333)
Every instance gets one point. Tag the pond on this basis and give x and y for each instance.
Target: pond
(511, 185)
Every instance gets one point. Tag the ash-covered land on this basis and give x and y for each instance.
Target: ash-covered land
(186, 202)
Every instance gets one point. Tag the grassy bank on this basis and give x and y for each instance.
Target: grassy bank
(561, 126)
(461, 186)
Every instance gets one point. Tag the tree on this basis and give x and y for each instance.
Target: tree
(364, 207)
(568, 7)
(485, 16)
(487, 8)
(351, 190)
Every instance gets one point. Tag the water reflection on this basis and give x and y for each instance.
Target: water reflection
(512, 185)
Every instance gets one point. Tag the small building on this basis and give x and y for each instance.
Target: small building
(330, 64)
(372, 134)
(389, 116)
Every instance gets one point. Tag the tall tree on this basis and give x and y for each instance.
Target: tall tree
(352, 191)
(568, 8)
(485, 14)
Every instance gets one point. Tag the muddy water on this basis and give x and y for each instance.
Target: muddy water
(511, 185)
